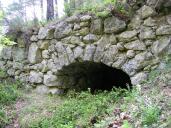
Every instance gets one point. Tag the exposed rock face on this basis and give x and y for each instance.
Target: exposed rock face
(34, 54)
(136, 48)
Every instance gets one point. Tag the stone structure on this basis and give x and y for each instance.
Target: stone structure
(135, 47)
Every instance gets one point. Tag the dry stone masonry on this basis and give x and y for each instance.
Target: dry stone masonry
(135, 47)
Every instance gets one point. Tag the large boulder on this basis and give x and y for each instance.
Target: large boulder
(114, 25)
(34, 54)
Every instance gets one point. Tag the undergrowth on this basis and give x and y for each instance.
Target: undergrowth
(8, 94)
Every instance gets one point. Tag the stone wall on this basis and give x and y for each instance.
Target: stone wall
(135, 47)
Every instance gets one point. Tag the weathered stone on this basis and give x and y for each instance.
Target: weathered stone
(42, 89)
(96, 26)
(70, 54)
(11, 72)
(159, 4)
(164, 30)
(135, 45)
(34, 54)
(161, 45)
(130, 53)
(45, 54)
(50, 33)
(121, 59)
(6, 53)
(76, 27)
(56, 91)
(85, 18)
(112, 39)
(90, 38)
(44, 66)
(89, 52)
(42, 33)
(52, 46)
(101, 46)
(73, 19)
(146, 12)
(18, 54)
(148, 42)
(128, 36)
(135, 22)
(120, 46)
(149, 22)
(43, 44)
(139, 78)
(18, 65)
(110, 55)
(168, 18)
(21, 42)
(147, 33)
(36, 77)
(84, 31)
(113, 25)
(140, 61)
(84, 24)
(23, 77)
(50, 79)
(60, 48)
(2, 64)
(78, 52)
(62, 30)
(75, 40)
(34, 38)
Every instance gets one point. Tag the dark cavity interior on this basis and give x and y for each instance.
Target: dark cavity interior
(96, 76)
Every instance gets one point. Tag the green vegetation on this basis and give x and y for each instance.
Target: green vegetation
(9, 93)
(101, 8)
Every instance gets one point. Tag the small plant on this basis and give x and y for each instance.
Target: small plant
(126, 124)
(150, 115)
(8, 93)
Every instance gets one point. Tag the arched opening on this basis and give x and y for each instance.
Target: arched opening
(96, 76)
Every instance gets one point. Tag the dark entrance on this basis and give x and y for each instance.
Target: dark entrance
(96, 76)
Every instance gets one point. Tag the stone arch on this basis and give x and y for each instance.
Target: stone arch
(94, 75)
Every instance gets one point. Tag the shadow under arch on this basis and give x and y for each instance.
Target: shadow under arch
(97, 76)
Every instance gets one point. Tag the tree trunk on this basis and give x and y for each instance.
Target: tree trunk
(56, 8)
(50, 10)
(42, 11)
